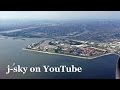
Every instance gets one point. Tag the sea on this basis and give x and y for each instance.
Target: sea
(11, 52)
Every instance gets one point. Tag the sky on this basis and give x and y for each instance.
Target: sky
(59, 15)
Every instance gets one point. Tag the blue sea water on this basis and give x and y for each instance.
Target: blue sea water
(11, 52)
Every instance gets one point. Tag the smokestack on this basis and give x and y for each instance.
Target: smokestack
(118, 69)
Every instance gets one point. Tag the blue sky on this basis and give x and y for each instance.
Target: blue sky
(59, 15)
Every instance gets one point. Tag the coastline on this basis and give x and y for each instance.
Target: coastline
(70, 55)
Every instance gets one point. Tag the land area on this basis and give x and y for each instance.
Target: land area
(72, 48)
(85, 30)
(83, 39)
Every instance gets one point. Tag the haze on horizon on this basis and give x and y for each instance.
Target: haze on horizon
(58, 15)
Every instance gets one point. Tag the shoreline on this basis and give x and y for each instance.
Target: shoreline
(70, 55)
